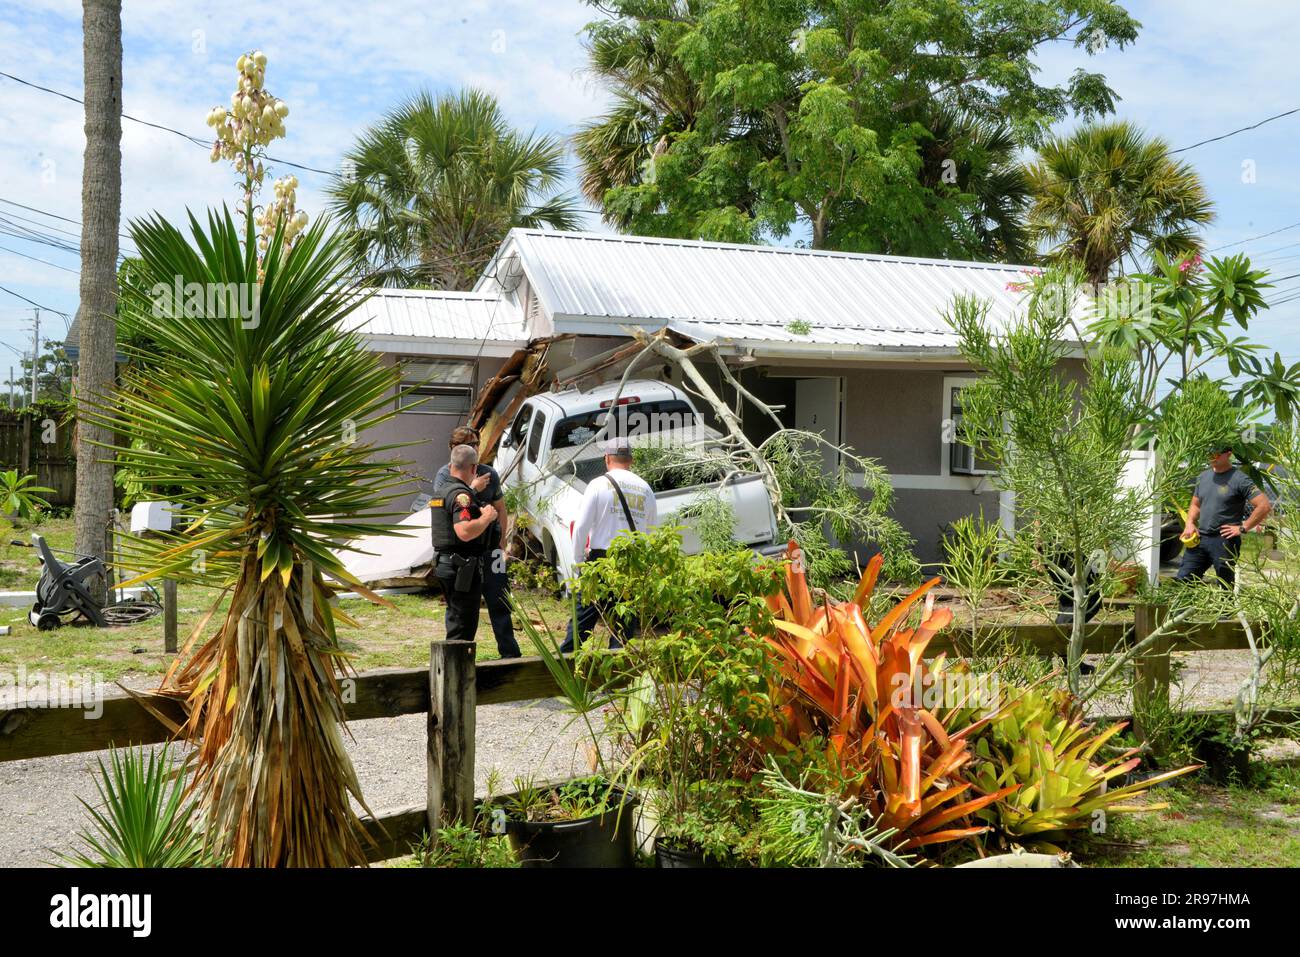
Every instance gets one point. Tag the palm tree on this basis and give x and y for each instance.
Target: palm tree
(101, 201)
(982, 160)
(432, 189)
(654, 99)
(1107, 192)
(252, 422)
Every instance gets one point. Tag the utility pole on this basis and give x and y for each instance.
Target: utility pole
(36, 349)
(12, 401)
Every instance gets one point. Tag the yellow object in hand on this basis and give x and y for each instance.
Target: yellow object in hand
(1194, 538)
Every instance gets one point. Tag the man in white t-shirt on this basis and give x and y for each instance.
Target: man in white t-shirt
(616, 501)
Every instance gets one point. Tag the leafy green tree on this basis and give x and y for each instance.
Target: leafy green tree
(1176, 319)
(1275, 386)
(430, 191)
(822, 115)
(1107, 192)
(53, 376)
(653, 101)
(1060, 446)
(982, 158)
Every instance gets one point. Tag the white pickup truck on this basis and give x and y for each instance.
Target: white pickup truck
(553, 448)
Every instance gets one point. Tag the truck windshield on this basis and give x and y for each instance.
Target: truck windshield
(643, 418)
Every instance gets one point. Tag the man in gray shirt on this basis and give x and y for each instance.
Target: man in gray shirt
(1218, 514)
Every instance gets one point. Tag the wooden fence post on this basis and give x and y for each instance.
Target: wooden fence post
(452, 700)
(169, 614)
(1151, 667)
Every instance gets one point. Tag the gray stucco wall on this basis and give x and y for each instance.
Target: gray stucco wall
(927, 514)
(895, 416)
(429, 433)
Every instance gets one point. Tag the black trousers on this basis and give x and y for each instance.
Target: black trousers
(462, 606)
(588, 614)
(1215, 552)
(496, 590)
(1062, 575)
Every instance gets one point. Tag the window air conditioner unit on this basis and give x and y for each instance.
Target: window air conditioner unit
(962, 461)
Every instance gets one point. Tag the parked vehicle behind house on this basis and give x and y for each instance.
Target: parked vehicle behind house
(555, 446)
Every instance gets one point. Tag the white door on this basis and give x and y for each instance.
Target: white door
(817, 409)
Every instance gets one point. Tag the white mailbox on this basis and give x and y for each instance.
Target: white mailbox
(151, 517)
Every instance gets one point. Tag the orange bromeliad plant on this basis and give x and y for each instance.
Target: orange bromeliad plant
(854, 683)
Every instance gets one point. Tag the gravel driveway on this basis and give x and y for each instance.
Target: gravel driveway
(40, 813)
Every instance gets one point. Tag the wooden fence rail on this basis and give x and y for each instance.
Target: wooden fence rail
(454, 685)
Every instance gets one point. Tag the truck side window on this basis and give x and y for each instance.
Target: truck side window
(535, 436)
(519, 429)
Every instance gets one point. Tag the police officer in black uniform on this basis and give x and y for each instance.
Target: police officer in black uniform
(461, 529)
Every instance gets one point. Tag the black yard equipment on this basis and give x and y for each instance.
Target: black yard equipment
(64, 593)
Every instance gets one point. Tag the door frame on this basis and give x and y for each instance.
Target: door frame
(838, 437)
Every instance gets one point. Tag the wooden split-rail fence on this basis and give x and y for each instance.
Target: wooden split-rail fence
(455, 685)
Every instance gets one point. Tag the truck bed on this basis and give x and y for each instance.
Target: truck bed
(746, 492)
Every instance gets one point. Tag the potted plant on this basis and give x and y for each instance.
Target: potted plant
(586, 822)
(708, 829)
(695, 708)
(1226, 755)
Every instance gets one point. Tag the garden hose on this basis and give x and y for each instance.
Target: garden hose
(131, 612)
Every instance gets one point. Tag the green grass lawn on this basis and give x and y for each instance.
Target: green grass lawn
(392, 636)
(1207, 825)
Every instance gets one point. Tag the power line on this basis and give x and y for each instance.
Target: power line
(1253, 126)
(19, 295)
(1253, 238)
(43, 212)
(34, 237)
(14, 252)
(201, 143)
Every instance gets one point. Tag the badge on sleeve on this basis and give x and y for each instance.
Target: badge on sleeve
(462, 502)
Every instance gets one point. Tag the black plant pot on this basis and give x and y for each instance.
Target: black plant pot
(603, 840)
(668, 854)
(1225, 761)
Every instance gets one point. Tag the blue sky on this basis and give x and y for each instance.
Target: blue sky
(1199, 69)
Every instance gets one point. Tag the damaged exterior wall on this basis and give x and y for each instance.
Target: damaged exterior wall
(428, 432)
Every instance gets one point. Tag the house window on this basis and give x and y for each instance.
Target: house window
(958, 457)
(437, 386)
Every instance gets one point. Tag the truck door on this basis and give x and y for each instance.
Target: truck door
(513, 444)
(535, 453)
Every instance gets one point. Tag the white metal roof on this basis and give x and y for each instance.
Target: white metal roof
(450, 323)
(749, 295)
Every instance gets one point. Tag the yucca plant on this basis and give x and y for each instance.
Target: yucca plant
(255, 421)
(849, 683)
(20, 496)
(1040, 743)
(145, 819)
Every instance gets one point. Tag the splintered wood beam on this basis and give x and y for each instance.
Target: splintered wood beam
(684, 359)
